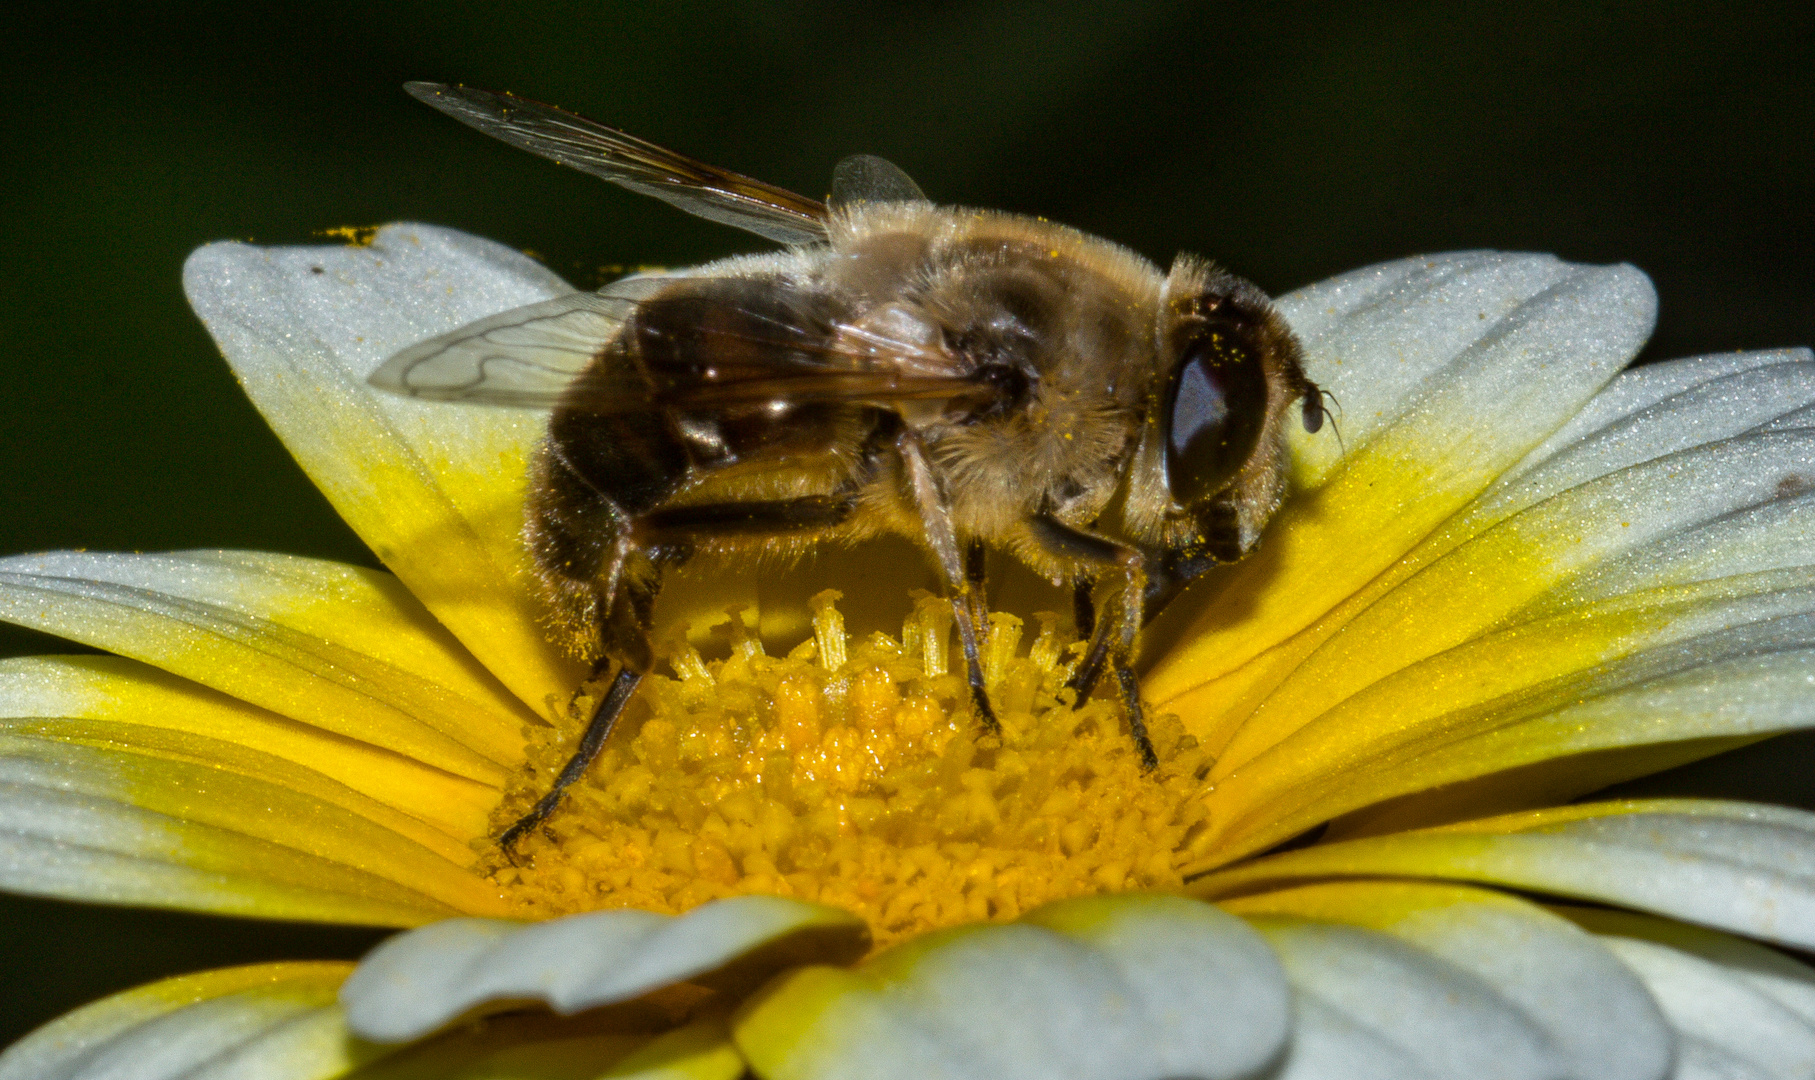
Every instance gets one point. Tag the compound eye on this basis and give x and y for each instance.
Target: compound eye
(1217, 407)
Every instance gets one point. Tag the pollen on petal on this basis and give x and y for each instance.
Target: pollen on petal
(853, 773)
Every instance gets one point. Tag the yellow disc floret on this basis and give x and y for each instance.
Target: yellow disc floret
(855, 774)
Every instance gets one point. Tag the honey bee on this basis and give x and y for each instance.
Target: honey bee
(965, 378)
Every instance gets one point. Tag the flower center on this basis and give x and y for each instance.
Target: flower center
(855, 775)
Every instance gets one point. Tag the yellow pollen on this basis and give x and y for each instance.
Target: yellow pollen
(853, 773)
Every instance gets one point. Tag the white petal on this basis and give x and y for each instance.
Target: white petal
(1599, 1020)
(1448, 1022)
(1118, 988)
(1549, 999)
(1640, 388)
(1698, 1060)
(1790, 983)
(1420, 312)
(436, 490)
(271, 1022)
(1713, 1006)
(1454, 338)
(1329, 1045)
(418, 982)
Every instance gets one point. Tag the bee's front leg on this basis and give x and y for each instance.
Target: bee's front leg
(964, 588)
(1117, 627)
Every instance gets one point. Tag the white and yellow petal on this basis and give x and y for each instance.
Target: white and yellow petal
(1741, 867)
(283, 1022)
(315, 747)
(435, 490)
(1447, 371)
(344, 649)
(266, 1022)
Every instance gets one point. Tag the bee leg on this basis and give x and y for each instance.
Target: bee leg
(936, 523)
(1130, 686)
(598, 729)
(623, 615)
(1083, 606)
(977, 595)
(1090, 669)
(1113, 637)
(975, 577)
(973, 662)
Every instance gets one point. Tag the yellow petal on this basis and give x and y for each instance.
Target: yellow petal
(112, 701)
(1643, 668)
(699, 1051)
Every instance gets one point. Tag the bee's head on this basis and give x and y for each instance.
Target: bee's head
(1234, 365)
(1232, 379)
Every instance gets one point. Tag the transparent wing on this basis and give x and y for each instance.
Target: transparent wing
(526, 357)
(866, 178)
(705, 190)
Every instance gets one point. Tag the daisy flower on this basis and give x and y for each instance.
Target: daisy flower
(1525, 574)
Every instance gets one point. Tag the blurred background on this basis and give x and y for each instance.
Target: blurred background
(1288, 141)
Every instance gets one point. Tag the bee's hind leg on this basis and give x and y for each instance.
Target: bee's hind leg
(624, 634)
(598, 729)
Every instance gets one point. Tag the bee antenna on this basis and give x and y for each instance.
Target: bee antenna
(1315, 414)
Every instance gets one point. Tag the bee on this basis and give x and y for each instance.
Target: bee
(965, 378)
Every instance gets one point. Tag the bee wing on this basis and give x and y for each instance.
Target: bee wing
(526, 357)
(865, 178)
(704, 190)
(542, 355)
(729, 348)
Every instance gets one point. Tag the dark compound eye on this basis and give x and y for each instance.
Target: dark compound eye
(1217, 406)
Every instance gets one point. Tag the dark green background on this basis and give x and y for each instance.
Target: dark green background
(1290, 142)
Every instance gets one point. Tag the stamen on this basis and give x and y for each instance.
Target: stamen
(853, 773)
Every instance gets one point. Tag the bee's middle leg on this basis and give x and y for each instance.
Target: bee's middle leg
(954, 569)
